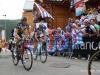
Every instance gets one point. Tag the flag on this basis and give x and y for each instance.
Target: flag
(43, 12)
(80, 8)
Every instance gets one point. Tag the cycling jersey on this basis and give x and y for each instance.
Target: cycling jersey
(22, 28)
(39, 34)
(41, 31)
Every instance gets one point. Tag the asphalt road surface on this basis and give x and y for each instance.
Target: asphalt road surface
(54, 66)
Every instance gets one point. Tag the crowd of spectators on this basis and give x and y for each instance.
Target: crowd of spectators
(78, 32)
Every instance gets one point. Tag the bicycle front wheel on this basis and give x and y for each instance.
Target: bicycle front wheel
(15, 56)
(94, 64)
(43, 54)
(35, 53)
(27, 59)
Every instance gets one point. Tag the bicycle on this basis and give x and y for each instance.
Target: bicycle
(21, 52)
(41, 51)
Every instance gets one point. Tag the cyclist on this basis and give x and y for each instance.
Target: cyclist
(22, 29)
(40, 35)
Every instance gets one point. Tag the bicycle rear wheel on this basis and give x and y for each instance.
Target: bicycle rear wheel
(27, 59)
(94, 64)
(43, 54)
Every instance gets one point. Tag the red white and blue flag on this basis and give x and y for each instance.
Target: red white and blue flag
(80, 8)
(43, 12)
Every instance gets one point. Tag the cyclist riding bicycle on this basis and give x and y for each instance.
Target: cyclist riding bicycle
(19, 49)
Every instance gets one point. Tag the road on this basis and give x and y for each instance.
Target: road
(52, 67)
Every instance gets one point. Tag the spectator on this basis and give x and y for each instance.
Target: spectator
(1, 45)
(98, 15)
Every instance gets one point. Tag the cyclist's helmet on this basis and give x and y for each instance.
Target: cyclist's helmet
(24, 18)
(42, 27)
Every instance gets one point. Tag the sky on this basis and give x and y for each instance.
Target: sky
(12, 8)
